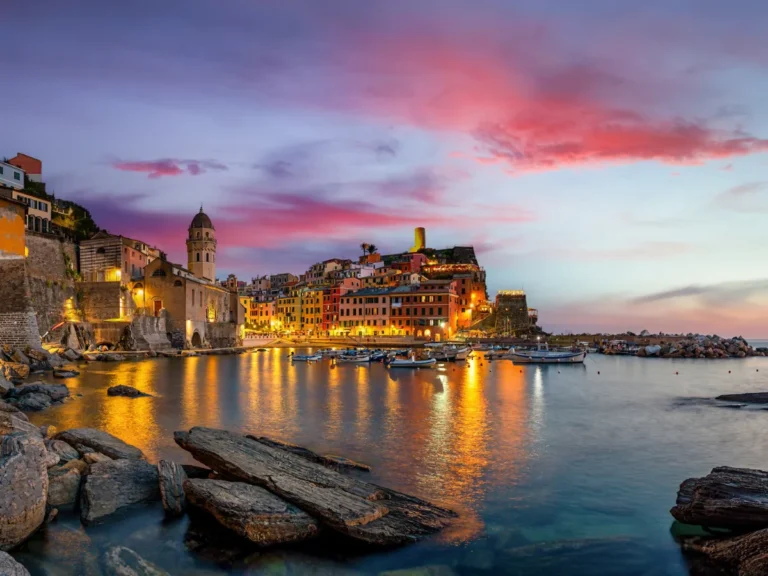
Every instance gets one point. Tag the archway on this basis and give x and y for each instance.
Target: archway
(196, 341)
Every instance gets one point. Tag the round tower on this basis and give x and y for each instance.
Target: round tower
(419, 239)
(201, 247)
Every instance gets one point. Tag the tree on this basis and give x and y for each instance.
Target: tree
(364, 248)
(372, 248)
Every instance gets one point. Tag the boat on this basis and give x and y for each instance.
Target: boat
(411, 363)
(378, 356)
(543, 355)
(306, 357)
(451, 354)
(356, 358)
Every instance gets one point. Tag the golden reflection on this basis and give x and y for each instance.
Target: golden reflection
(333, 424)
(363, 413)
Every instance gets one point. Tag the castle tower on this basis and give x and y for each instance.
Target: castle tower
(201, 247)
(419, 240)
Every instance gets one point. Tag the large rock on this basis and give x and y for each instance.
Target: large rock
(9, 566)
(250, 511)
(15, 370)
(20, 357)
(172, 478)
(55, 361)
(122, 561)
(112, 486)
(734, 498)
(11, 423)
(356, 508)
(64, 451)
(99, 441)
(23, 488)
(5, 385)
(329, 461)
(743, 555)
(63, 486)
(11, 409)
(33, 402)
(72, 356)
(128, 391)
(56, 392)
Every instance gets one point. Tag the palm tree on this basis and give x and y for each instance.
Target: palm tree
(372, 248)
(364, 248)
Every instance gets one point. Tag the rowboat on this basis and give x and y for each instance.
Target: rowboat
(306, 357)
(412, 363)
(543, 355)
(359, 358)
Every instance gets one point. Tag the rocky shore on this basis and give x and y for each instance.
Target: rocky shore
(702, 347)
(252, 491)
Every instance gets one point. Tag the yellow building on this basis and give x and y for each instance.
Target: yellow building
(260, 316)
(312, 310)
(288, 312)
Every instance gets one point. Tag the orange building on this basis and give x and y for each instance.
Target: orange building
(13, 218)
(429, 310)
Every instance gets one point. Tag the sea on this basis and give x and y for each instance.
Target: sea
(553, 470)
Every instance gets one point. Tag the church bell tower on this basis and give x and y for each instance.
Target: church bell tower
(201, 247)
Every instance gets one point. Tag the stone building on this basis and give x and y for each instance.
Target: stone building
(112, 258)
(201, 247)
(512, 317)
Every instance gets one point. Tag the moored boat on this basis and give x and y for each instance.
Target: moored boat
(543, 355)
(411, 363)
(306, 357)
(359, 358)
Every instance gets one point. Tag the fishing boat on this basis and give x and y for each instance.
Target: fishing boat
(306, 357)
(451, 354)
(411, 363)
(359, 358)
(378, 356)
(543, 355)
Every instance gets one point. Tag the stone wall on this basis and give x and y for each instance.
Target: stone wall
(100, 300)
(221, 334)
(18, 325)
(109, 332)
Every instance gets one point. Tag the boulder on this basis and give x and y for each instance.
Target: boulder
(743, 555)
(64, 451)
(38, 355)
(11, 409)
(9, 566)
(33, 402)
(251, 512)
(113, 358)
(80, 465)
(99, 441)
(56, 392)
(122, 561)
(24, 482)
(128, 391)
(358, 509)
(733, 498)
(15, 370)
(5, 385)
(47, 430)
(55, 361)
(172, 478)
(11, 423)
(58, 373)
(329, 461)
(63, 486)
(72, 356)
(94, 457)
(20, 357)
(112, 486)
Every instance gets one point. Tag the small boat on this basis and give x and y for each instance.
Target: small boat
(543, 355)
(378, 356)
(411, 363)
(463, 353)
(261, 349)
(306, 357)
(357, 358)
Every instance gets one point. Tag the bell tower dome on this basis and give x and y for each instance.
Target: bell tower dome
(201, 247)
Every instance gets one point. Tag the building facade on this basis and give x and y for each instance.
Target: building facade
(512, 313)
(201, 247)
(111, 258)
(11, 176)
(32, 167)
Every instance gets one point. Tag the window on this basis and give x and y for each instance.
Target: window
(423, 311)
(1, 169)
(431, 311)
(101, 250)
(17, 176)
(440, 311)
(207, 257)
(198, 256)
(178, 283)
(439, 298)
(158, 272)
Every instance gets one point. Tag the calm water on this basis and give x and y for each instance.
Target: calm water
(533, 458)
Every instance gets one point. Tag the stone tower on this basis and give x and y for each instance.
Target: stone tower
(201, 247)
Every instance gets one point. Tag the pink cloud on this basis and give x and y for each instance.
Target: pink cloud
(168, 167)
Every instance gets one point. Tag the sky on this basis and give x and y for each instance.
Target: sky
(610, 157)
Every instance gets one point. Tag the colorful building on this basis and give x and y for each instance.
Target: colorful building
(365, 313)
(430, 310)
(311, 319)
(110, 258)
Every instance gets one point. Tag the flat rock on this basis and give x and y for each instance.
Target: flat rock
(9, 566)
(58, 373)
(24, 482)
(64, 451)
(356, 508)
(94, 457)
(745, 555)
(99, 441)
(172, 477)
(128, 391)
(112, 486)
(734, 498)
(56, 392)
(122, 561)
(329, 461)
(71, 355)
(63, 486)
(11, 423)
(251, 512)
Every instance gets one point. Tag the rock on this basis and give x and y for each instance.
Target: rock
(356, 508)
(53, 513)
(71, 355)
(122, 561)
(333, 462)
(11, 409)
(251, 512)
(33, 402)
(733, 498)
(56, 392)
(63, 486)
(11, 423)
(65, 373)
(743, 554)
(99, 441)
(9, 566)
(113, 357)
(193, 471)
(55, 361)
(114, 485)
(20, 357)
(39, 355)
(51, 459)
(47, 431)
(749, 397)
(15, 370)
(94, 457)
(5, 385)
(24, 482)
(128, 391)
(172, 478)
(63, 450)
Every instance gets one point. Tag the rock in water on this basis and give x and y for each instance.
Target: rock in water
(122, 561)
(11, 423)
(114, 485)
(9, 566)
(749, 398)
(329, 461)
(100, 441)
(15, 370)
(23, 488)
(65, 373)
(56, 392)
(33, 402)
(745, 555)
(128, 391)
(351, 506)
(64, 451)
(251, 512)
(733, 498)
(172, 477)
(63, 486)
